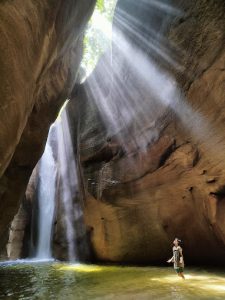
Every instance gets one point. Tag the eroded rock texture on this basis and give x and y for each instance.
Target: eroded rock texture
(150, 154)
(157, 172)
(40, 51)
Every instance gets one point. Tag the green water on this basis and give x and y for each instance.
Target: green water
(65, 281)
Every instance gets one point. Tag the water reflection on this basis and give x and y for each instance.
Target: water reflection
(67, 281)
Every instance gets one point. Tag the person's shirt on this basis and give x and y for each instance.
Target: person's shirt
(178, 257)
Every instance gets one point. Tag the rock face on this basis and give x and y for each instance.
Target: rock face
(151, 153)
(19, 236)
(40, 51)
(147, 125)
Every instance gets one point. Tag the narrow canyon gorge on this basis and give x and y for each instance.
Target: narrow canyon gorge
(146, 129)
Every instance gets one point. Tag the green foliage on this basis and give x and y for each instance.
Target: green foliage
(106, 7)
(95, 41)
(100, 5)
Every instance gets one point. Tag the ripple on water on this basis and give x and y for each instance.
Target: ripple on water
(52, 280)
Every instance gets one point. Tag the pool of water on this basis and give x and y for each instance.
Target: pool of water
(52, 280)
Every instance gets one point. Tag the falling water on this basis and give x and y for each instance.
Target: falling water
(67, 181)
(46, 202)
(57, 187)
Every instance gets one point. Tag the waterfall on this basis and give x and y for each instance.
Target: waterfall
(46, 201)
(68, 181)
(57, 195)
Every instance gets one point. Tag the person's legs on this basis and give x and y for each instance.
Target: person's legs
(181, 274)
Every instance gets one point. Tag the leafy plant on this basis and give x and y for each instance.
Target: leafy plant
(95, 42)
(100, 5)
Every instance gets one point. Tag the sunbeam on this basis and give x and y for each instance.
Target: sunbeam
(142, 92)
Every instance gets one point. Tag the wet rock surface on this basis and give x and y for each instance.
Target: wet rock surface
(40, 51)
(144, 185)
(148, 175)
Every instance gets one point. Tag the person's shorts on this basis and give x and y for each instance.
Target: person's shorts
(179, 270)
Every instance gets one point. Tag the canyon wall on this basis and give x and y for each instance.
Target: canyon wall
(152, 151)
(147, 125)
(40, 52)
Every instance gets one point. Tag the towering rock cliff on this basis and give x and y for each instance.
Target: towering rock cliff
(147, 125)
(40, 51)
(152, 151)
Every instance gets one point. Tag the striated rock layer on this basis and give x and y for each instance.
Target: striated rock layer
(153, 174)
(40, 51)
(150, 152)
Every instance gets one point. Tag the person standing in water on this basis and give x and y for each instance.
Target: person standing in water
(177, 258)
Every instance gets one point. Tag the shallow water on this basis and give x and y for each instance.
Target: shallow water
(51, 280)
